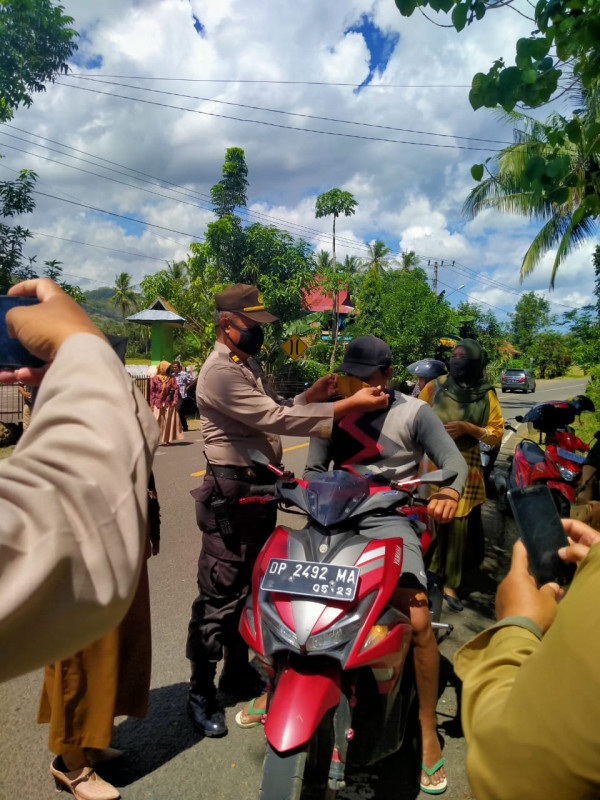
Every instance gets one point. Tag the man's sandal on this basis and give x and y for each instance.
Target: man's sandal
(433, 788)
(251, 712)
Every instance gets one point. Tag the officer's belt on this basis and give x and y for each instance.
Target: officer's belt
(246, 474)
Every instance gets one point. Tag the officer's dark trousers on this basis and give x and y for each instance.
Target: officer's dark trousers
(224, 577)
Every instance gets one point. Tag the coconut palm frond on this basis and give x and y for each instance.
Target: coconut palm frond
(546, 238)
(573, 237)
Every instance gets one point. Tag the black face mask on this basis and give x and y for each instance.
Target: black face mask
(251, 339)
(459, 368)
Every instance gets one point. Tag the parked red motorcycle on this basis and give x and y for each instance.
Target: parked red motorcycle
(558, 465)
(326, 635)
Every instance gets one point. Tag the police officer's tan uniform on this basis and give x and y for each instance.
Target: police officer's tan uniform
(239, 413)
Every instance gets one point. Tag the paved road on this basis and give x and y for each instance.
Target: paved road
(166, 760)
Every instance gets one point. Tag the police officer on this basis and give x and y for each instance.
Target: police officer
(241, 413)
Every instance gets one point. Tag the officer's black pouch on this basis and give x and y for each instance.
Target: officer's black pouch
(221, 508)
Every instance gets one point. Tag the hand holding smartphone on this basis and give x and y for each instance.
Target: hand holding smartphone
(542, 534)
(12, 353)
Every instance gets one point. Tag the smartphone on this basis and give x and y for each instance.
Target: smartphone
(12, 353)
(347, 385)
(542, 534)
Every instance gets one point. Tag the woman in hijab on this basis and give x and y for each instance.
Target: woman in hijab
(467, 405)
(163, 402)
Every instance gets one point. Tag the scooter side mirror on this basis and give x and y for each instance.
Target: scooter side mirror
(441, 477)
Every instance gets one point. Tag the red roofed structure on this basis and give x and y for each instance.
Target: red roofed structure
(315, 300)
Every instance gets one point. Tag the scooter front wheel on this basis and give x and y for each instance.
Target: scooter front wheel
(283, 774)
(300, 774)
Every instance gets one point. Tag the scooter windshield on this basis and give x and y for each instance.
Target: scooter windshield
(335, 495)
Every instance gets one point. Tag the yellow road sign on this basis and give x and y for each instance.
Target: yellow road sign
(294, 347)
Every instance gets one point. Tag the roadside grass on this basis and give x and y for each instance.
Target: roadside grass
(572, 373)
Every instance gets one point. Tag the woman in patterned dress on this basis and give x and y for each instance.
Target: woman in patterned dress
(467, 405)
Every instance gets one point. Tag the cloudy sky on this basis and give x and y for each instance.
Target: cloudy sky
(319, 95)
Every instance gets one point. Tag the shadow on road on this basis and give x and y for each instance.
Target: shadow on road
(149, 743)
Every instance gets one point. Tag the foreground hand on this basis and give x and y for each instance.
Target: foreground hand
(43, 328)
(581, 538)
(518, 596)
(322, 389)
(442, 507)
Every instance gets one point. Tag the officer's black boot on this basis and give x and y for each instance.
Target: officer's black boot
(239, 681)
(202, 700)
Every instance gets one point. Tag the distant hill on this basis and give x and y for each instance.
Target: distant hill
(97, 301)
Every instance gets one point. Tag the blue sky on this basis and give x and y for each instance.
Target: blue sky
(259, 76)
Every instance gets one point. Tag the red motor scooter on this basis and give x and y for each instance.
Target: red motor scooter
(321, 622)
(558, 466)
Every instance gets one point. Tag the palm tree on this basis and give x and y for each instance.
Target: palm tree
(408, 259)
(333, 203)
(178, 270)
(376, 259)
(124, 296)
(323, 262)
(513, 186)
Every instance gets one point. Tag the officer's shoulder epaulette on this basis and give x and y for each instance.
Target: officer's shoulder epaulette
(234, 358)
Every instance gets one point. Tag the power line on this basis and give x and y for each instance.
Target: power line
(279, 125)
(121, 216)
(281, 83)
(100, 247)
(301, 230)
(298, 114)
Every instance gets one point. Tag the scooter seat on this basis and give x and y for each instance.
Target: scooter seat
(532, 452)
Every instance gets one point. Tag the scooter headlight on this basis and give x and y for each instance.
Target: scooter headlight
(278, 628)
(566, 474)
(335, 636)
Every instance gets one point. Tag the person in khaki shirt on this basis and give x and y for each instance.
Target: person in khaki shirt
(73, 507)
(241, 413)
(531, 683)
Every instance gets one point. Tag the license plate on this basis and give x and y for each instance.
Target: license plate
(311, 579)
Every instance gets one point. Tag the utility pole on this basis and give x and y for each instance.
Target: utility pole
(435, 271)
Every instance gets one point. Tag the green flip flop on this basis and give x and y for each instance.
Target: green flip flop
(252, 711)
(434, 788)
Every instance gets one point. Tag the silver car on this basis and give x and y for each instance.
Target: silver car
(517, 380)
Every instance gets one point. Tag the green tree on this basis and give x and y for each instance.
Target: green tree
(377, 259)
(281, 266)
(370, 306)
(565, 41)
(530, 317)
(334, 203)
(408, 259)
(550, 353)
(15, 199)
(412, 319)
(124, 297)
(230, 192)
(37, 42)
(518, 182)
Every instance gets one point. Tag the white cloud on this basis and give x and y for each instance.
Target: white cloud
(411, 196)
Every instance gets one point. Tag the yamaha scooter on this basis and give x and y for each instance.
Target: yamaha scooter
(558, 465)
(326, 634)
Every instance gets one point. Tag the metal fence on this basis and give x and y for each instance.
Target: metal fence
(11, 404)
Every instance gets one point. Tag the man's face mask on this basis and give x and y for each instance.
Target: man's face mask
(347, 385)
(251, 339)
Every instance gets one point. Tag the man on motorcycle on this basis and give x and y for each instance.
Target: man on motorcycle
(396, 436)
